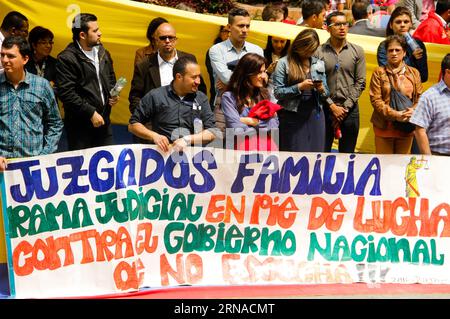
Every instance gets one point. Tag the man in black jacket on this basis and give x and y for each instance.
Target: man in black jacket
(84, 78)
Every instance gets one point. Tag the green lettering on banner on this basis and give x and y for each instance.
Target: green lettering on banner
(384, 250)
(80, 206)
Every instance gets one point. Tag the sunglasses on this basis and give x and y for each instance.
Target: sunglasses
(167, 37)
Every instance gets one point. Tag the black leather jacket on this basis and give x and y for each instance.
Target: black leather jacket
(77, 84)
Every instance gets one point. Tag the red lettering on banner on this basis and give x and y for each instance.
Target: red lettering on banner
(250, 269)
(398, 216)
(189, 271)
(109, 245)
(283, 214)
(134, 277)
(213, 209)
(143, 242)
(326, 214)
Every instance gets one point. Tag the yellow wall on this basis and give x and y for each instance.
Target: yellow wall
(124, 24)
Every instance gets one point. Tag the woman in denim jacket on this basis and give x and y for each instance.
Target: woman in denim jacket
(300, 86)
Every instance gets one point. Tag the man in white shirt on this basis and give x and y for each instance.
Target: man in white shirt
(155, 70)
(225, 55)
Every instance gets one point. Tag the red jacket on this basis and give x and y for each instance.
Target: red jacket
(432, 30)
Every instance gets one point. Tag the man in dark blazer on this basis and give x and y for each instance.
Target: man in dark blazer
(156, 69)
(362, 25)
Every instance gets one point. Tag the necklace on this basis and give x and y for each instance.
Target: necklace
(40, 71)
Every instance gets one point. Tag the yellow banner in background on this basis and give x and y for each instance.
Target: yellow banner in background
(124, 24)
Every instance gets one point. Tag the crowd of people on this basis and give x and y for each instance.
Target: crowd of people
(296, 95)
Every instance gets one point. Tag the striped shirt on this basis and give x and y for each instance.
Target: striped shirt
(433, 114)
(30, 123)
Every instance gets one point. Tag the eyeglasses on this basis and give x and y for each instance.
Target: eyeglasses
(167, 37)
(339, 24)
(45, 42)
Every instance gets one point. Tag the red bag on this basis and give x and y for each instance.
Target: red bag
(264, 110)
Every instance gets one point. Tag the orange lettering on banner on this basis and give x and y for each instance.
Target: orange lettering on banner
(62, 243)
(84, 236)
(326, 214)
(123, 241)
(213, 209)
(287, 206)
(23, 248)
(231, 209)
(107, 239)
(283, 214)
(41, 249)
(276, 212)
(133, 277)
(399, 217)
(227, 261)
(186, 272)
(239, 269)
(143, 242)
(45, 254)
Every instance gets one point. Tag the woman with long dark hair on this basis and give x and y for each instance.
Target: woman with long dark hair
(276, 48)
(247, 87)
(300, 86)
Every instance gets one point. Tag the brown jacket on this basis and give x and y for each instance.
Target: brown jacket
(380, 94)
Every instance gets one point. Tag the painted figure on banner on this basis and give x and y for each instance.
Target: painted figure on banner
(412, 187)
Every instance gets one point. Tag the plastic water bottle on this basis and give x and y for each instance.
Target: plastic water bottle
(411, 42)
(115, 91)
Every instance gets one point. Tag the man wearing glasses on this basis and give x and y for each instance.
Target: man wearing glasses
(156, 69)
(345, 68)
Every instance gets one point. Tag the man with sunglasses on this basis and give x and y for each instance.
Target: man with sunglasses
(345, 67)
(156, 69)
(84, 79)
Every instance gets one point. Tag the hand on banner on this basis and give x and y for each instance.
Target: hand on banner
(162, 142)
(180, 144)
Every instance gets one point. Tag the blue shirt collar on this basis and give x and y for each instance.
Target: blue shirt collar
(230, 46)
(27, 80)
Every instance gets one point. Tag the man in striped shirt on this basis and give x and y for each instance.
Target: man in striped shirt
(30, 123)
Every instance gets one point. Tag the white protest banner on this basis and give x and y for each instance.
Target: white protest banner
(119, 218)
